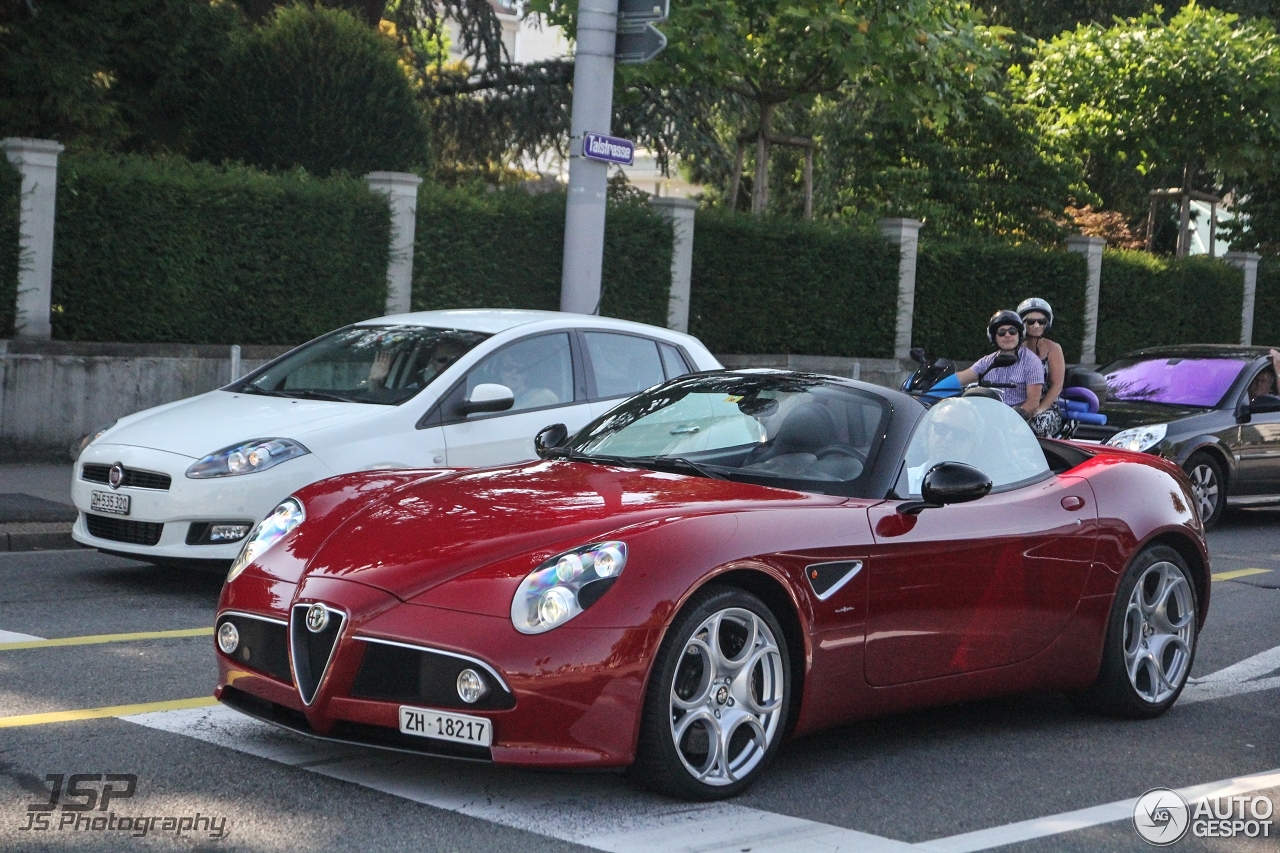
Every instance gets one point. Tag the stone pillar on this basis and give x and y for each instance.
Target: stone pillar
(401, 189)
(680, 212)
(37, 160)
(1091, 248)
(1248, 262)
(905, 234)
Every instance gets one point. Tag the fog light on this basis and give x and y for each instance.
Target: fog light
(228, 638)
(471, 687)
(228, 532)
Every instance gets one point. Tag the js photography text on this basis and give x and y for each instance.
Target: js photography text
(71, 807)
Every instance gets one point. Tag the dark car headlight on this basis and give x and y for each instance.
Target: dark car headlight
(282, 520)
(566, 585)
(1139, 438)
(247, 457)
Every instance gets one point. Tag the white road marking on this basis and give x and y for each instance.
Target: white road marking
(599, 811)
(985, 839)
(15, 637)
(1242, 677)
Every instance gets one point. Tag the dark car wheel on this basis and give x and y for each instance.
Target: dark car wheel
(1209, 486)
(716, 708)
(1151, 637)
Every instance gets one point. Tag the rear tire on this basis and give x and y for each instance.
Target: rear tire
(1151, 637)
(716, 707)
(1209, 485)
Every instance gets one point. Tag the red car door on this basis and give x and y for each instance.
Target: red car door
(972, 586)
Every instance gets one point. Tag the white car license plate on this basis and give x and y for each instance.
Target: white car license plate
(109, 502)
(460, 728)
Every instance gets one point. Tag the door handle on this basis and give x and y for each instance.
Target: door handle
(1071, 503)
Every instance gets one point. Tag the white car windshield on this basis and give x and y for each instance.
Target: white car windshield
(383, 365)
(799, 432)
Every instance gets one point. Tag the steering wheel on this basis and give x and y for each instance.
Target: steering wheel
(841, 450)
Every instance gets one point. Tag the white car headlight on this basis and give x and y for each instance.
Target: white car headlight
(247, 457)
(284, 518)
(93, 436)
(565, 585)
(1139, 438)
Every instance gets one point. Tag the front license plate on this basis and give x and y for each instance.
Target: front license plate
(460, 728)
(109, 502)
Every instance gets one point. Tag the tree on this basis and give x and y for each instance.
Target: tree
(1191, 102)
(755, 58)
(316, 88)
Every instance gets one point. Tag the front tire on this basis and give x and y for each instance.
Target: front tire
(1208, 485)
(1151, 637)
(717, 703)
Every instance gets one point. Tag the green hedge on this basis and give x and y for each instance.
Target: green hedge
(505, 250)
(960, 285)
(10, 192)
(167, 250)
(773, 285)
(1266, 308)
(1149, 301)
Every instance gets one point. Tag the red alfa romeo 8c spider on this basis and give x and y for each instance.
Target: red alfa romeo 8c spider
(719, 563)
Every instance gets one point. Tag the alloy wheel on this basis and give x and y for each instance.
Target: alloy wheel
(1159, 631)
(1205, 487)
(726, 697)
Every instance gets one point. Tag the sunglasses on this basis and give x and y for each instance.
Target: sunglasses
(1036, 321)
(942, 430)
(1005, 331)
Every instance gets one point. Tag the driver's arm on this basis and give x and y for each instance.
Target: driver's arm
(967, 376)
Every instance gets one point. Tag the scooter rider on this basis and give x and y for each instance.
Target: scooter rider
(1007, 331)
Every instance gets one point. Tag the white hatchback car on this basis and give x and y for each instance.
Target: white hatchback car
(189, 480)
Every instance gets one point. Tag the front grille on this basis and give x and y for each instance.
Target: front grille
(347, 732)
(264, 645)
(312, 649)
(123, 530)
(132, 477)
(397, 673)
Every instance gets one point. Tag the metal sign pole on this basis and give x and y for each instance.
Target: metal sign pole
(588, 179)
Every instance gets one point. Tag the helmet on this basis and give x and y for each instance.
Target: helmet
(1035, 303)
(1006, 317)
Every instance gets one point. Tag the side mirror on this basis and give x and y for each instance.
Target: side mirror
(1005, 359)
(919, 356)
(487, 397)
(954, 483)
(1264, 404)
(549, 438)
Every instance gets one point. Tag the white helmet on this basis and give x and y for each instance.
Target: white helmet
(1026, 306)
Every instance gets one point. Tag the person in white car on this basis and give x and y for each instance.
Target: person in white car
(189, 480)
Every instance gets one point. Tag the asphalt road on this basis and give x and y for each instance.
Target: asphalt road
(995, 768)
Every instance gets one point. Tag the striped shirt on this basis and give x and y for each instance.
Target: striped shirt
(1028, 371)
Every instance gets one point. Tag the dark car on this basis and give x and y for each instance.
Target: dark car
(1211, 408)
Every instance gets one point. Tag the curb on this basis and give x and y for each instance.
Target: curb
(37, 536)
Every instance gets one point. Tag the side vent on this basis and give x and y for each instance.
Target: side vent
(827, 578)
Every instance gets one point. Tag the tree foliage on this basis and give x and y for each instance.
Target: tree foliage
(1192, 101)
(315, 88)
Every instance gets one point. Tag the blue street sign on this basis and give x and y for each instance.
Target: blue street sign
(610, 149)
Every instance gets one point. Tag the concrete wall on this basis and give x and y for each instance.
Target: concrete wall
(53, 393)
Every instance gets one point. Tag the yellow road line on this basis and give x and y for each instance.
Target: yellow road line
(1221, 576)
(99, 713)
(94, 639)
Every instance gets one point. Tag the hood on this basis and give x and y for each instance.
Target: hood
(432, 531)
(1124, 414)
(201, 425)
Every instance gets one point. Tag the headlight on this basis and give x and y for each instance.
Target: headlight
(269, 531)
(566, 585)
(248, 457)
(93, 436)
(1139, 438)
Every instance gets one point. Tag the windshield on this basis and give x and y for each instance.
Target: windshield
(384, 365)
(1173, 381)
(796, 432)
